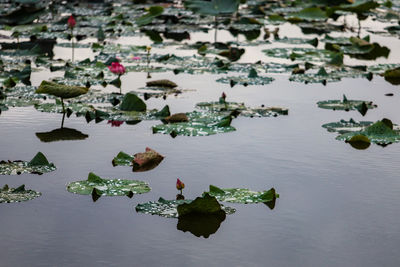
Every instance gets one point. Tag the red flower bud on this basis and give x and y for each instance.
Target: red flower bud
(179, 184)
(71, 22)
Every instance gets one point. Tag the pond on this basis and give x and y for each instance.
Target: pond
(337, 205)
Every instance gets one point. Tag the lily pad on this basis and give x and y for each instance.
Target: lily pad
(132, 102)
(213, 7)
(246, 80)
(241, 195)
(344, 126)
(140, 161)
(38, 165)
(393, 76)
(345, 104)
(108, 187)
(199, 124)
(19, 194)
(379, 133)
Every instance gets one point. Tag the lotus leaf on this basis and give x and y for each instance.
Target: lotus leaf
(379, 133)
(108, 187)
(60, 90)
(132, 102)
(241, 195)
(153, 12)
(213, 7)
(19, 194)
(393, 76)
(246, 80)
(200, 124)
(344, 104)
(38, 165)
(344, 126)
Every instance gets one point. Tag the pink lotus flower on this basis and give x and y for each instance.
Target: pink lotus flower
(71, 22)
(115, 123)
(136, 58)
(179, 185)
(117, 68)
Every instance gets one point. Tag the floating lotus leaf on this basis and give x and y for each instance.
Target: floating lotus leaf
(153, 12)
(200, 124)
(241, 195)
(344, 126)
(301, 54)
(201, 205)
(245, 80)
(393, 76)
(309, 14)
(79, 108)
(242, 109)
(344, 104)
(122, 159)
(108, 187)
(213, 7)
(19, 194)
(61, 134)
(60, 90)
(168, 208)
(38, 165)
(140, 161)
(379, 133)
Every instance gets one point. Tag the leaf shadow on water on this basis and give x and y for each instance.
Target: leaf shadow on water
(201, 224)
(61, 134)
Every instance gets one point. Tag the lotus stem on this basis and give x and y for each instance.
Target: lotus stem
(62, 103)
(62, 121)
(119, 78)
(72, 40)
(216, 28)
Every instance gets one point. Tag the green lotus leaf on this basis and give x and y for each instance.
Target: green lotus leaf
(393, 76)
(309, 14)
(122, 159)
(38, 165)
(379, 133)
(169, 208)
(60, 90)
(246, 80)
(108, 187)
(153, 12)
(200, 124)
(132, 102)
(344, 126)
(344, 104)
(213, 7)
(19, 194)
(241, 195)
(201, 205)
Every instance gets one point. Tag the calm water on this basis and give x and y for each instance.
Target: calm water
(338, 206)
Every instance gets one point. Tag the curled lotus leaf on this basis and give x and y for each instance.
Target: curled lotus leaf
(108, 187)
(38, 165)
(379, 133)
(61, 90)
(19, 194)
(169, 208)
(199, 124)
(345, 104)
(242, 195)
(140, 161)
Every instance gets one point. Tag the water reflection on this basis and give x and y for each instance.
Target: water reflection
(61, 134)
(201, 224)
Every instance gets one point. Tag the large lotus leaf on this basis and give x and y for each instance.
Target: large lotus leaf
(108, 187)
(309, 14)
(244, 111)
(60, 90)
(344, 126)
(168, 208)
(153, 12)
(242, 195)
(302, 54)
(213, 7)
(200, 124)
(132, 102)
(345, 104)
(19, 194)
(246, 80)
(392, 76)
(378, 133)
(38, 165)
(61, 134)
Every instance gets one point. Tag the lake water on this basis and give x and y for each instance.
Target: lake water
(338, 206)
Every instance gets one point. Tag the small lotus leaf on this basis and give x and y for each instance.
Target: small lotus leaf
(10, 195)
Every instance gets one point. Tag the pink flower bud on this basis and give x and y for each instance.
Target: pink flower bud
(179, 184)
(71, 22)
(117, 68)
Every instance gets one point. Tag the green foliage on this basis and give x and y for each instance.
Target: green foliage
(132, 102)
(201, 205)
(153, 12)
(38, 165)
(19, 194)
(213, 7)
(60, 90)
(241, 195)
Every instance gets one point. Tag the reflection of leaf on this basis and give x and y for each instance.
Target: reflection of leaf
(359, 142)
(201, 224)
(393, 76)
(108, 187)
(9, 195)
(242, 195)
(61, 134)
(38, 165)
